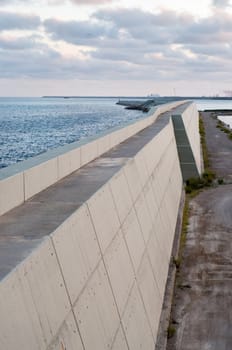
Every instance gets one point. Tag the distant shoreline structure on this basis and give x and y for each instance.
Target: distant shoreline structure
(171, 98)
(144, 103)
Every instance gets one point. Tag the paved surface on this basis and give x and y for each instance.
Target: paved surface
(202, 311)
(219, 146)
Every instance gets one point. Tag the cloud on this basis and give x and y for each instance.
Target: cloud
(214, 29)
(29, 63)
(115, 34)
(121, 24)
(122, 44)
(27, 43)
(38, 64)
(221, 3)
(11, 43)
(214, 50)
(162, 45)
(91, 2)
(57, 2)
(79, 33)
(131, 18)
(11, 21)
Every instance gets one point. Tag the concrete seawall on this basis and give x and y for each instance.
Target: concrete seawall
(22, 181)
(84, 264)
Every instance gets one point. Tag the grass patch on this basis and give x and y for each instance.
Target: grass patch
(208, 176)
(177, 260)
(184, 230)
(171, 331)
(194, 184)
(203, 143)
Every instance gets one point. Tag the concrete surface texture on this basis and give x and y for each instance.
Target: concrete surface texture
(202, 304)
(83, 264)
(23, 180)
(188, 140)
(204, 296)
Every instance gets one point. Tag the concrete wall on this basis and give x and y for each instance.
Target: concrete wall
(98, 281)
(191, 123)
(23, 180)
(185, 122)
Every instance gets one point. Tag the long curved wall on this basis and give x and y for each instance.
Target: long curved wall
(21, 181)
(98, 280)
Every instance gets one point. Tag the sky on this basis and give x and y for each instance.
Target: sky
(115, 47)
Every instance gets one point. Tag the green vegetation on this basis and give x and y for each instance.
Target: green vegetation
(203, 143)
(194, 184)
(171, 331)
(176, 262)
(197, 183)
(184, 230)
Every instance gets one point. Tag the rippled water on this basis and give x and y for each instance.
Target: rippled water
(213, 104)
(227, 119)
(217, 104)
(31, 126)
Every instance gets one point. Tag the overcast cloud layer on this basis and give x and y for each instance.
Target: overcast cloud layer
(117, 43)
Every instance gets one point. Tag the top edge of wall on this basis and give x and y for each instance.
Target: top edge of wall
(61, 150)
(21, 181)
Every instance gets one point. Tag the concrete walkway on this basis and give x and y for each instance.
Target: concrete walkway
(202, 312)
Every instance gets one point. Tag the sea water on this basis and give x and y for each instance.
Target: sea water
(227, 119)
(31, 126)
(213, 104)
(217, 104)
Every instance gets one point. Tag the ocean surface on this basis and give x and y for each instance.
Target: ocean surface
(227, 119)
(31, 126)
